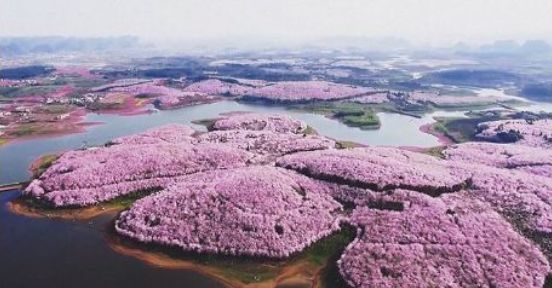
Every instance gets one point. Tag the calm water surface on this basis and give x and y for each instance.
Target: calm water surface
(39, 252)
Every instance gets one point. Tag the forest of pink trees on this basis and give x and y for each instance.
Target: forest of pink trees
(537, 133)
(215, 89)
(256, 185)
(255, 211)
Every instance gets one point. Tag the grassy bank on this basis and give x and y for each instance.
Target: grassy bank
(350, 114)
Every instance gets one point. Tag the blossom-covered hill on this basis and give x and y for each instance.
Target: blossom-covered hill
(256, 122)
(537, 133)
(378, 168)
(519, 157)
(284, 91)
(256, 211)
(171, 133)
(156, 158)
(257, 185)
(438, 242)
(85, 177)
(266, 143)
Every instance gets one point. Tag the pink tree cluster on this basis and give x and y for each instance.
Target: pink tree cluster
(158, 157)
(450, 241)
(168, 134)
(536, 133)
(267, 143)
(216, 198)
(285, 91)
(378, 168)
(524, 198)
(298, 91)
(183, 100)
(254, 211)
(257, 122)
(217, 87)
(511, 156)
(85, 177)
(167, 97)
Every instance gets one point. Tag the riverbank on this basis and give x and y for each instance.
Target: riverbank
(315, 267)
(21, 207)
(431, 129)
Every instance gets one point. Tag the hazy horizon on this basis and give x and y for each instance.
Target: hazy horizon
(430, 22)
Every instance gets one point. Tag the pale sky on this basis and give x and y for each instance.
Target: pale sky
(420, 21)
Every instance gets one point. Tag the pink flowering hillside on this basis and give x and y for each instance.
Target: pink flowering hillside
(514, 179)
(438, 242)
(254, 211)
(256, 185)
(519, 157)
(170, 133)
(85, 177)
(255, 121)
(167, 97)
(267, 143)
(536, 133)
(300, 91)
(377, 168)
(218, 87)
(525, 198)
(285, 91)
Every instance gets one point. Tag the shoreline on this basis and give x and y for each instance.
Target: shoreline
(296, 271)
(287, 272)
(441, 137)
(19, 207)
(80, 127)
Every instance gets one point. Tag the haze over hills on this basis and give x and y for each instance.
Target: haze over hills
(15, 46)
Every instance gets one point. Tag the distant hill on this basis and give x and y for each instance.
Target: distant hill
(505, 48)
(468, 77)
(511, 48)
(538, 91)
(15, 46)
(25, 72)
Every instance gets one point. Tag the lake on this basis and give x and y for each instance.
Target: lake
(396, 130)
